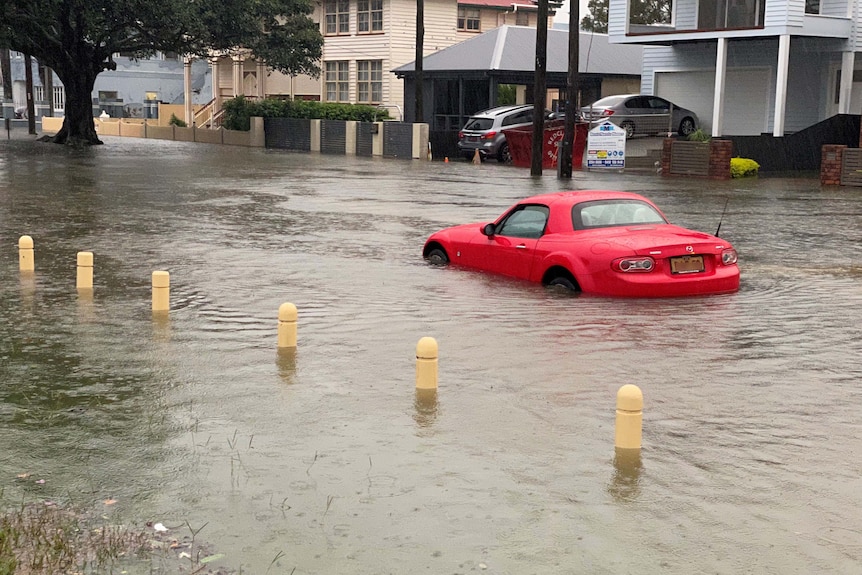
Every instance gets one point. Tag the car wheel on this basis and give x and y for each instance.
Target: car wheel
(437, 257)
(687, 126)
(629, 127)
(504, 156)
(563, 283)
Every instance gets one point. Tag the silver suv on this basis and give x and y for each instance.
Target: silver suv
(484, 131)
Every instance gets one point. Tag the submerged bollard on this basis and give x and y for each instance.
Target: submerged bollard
(26, 254)
(85, 270)
(426, 363)
(287, 325)
(161, 291)
(629, 424)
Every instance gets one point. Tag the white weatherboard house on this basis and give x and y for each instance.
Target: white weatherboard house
(748, 67)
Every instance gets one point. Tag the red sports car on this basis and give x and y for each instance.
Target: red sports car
(599, 242)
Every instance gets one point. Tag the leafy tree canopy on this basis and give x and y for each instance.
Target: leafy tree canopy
(78, 38)
(640, 12)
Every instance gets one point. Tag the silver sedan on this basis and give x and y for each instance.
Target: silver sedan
(640, 114)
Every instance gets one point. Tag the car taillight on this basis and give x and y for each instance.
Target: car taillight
(490, 135)
(460, 135)
(728, 257)
(633, 264)
(607, 112)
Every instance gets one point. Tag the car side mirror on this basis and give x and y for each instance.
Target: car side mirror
(488, 230)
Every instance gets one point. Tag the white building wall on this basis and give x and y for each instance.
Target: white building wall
(685, 15)
(807, 82)
(834, 7)
(617, 18)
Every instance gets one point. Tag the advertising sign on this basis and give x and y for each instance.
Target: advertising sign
(606, 146)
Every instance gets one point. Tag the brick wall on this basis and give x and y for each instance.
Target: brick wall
(720, 152)
(831, 160)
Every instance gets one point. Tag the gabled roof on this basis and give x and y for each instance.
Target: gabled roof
(513, 48)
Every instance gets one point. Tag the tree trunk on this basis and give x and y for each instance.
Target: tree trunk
(28, 79)
(78, 128)
(564, 160)
(419, 114)
(6, 65)
(540, 94)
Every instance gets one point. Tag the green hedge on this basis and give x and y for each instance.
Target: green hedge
(743, 167)
(238, 111)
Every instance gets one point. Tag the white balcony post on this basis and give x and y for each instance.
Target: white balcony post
(781, 85)
(187, 89)
(718, 98)
(846, 88)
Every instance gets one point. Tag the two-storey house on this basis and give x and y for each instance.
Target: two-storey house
(748, 67)
(364, 40)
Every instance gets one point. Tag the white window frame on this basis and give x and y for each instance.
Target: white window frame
(337, 80)
(369, 81)
(369, 16)
(469, 19)
(59, 98)
(336, 17)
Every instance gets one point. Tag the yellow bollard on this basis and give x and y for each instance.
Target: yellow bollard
(426, 363)
(629, 425)
(26, 257)
(161, 291)
(85, 270)
(287, 325)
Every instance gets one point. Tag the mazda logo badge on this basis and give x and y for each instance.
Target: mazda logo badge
(689, 249)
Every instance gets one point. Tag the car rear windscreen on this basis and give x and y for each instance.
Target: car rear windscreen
(479, 124)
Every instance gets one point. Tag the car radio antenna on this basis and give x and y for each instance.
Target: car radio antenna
(718, 229)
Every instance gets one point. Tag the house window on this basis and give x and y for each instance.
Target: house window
(369, 16)
(522, 18)
(468, 19)
(59, 98)
(337, 17)
(38, 93)
(369, 81)
(337, 81)
(812, 6)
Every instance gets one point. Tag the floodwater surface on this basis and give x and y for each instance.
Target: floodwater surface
(327, 461)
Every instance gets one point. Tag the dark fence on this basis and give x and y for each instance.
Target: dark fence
(398, 140)
(365, 138)
(689, 159)
(444, 144)
(798, 151)
(851, 167)
(333, 136)
(287, 133)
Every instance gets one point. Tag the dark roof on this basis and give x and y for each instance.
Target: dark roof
(513, 48)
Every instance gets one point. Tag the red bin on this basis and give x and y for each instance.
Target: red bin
(521, 144)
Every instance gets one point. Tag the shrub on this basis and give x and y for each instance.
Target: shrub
(698, 136)
(743, 167)
(238, 111)
(174, 121)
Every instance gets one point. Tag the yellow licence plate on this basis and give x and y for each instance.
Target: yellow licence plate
(686, 265)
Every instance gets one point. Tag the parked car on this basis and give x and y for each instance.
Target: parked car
(639, 114)
(484, 131)
(599, 242)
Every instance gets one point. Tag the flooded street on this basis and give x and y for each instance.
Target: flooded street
(326, 460)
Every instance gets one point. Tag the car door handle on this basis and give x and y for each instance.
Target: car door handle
(521, 247)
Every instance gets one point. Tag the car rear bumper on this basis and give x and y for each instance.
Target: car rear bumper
(725, 279)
